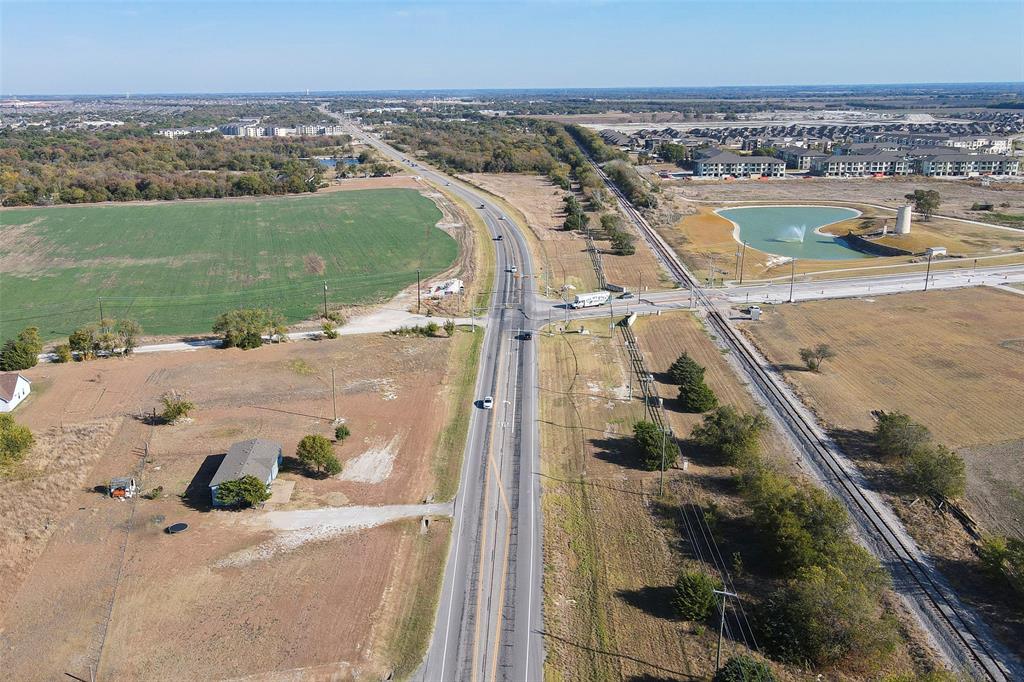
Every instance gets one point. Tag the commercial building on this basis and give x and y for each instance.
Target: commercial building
(719, 164)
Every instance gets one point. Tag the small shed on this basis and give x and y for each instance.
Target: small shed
(122, 488)
(255, 457)
(13, 389)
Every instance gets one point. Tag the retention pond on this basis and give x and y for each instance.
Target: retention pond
(792, 231)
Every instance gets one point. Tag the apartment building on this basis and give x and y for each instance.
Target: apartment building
(855, 165)
(963, 165)
(720, 164)
(800, 158)
(174, 133)
(993, 145)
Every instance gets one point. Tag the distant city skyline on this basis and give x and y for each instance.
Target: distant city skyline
(49, 48)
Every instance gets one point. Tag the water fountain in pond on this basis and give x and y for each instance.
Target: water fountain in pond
(793, 233)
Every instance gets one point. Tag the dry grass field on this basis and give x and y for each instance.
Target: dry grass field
(561, 257)
(233, 596)
(953, 361)
(612, 545)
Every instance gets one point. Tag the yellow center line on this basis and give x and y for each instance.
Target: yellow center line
(504, 566)
(483, 534)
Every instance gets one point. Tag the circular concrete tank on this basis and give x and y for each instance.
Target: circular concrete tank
(903, 220)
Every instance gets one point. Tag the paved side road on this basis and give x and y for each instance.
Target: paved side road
(873, 285)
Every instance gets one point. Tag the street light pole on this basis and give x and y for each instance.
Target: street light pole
(743, 261)
(325, 299)
(928, 272)
(418, 291)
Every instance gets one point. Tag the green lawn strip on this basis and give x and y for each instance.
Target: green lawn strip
(407, 641)
(175, 266)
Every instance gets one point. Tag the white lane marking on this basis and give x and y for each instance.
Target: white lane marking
(533, 541)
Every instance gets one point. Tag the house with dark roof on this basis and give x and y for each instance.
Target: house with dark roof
(254, 457)
(615, 138)
(13, 389)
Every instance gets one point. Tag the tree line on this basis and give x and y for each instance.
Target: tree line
(39, 168)
(825, 604)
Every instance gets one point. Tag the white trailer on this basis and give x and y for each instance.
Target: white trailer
(591, 299)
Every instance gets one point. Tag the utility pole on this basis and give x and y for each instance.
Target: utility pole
(928, 272)
(721, 628)
(334, 395)
(743, 261)
(100, 300)
(417, 291)
(661, 481)
(325, 303)
(737, 273)
(792, 278)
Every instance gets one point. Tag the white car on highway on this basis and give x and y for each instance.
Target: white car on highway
(487, 403)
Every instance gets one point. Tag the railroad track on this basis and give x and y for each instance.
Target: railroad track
(947, 616)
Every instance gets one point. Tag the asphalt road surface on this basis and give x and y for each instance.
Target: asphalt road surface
(489, 618)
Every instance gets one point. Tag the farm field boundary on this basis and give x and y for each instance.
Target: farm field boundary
(175, 267)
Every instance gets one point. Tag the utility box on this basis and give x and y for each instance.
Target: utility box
(755, 312)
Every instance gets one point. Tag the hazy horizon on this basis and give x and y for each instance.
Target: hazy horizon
(821, 87)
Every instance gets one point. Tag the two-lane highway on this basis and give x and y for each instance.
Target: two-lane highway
(489, 618)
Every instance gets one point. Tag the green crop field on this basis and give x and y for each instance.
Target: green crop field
(174, 267)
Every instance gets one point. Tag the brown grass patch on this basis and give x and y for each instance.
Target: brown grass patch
(314, 263)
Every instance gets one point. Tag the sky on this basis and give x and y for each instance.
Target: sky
(253, 46)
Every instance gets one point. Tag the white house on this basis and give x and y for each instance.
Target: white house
(13, 389)
(254, 457)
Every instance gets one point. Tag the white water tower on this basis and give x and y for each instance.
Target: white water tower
(903, 219)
